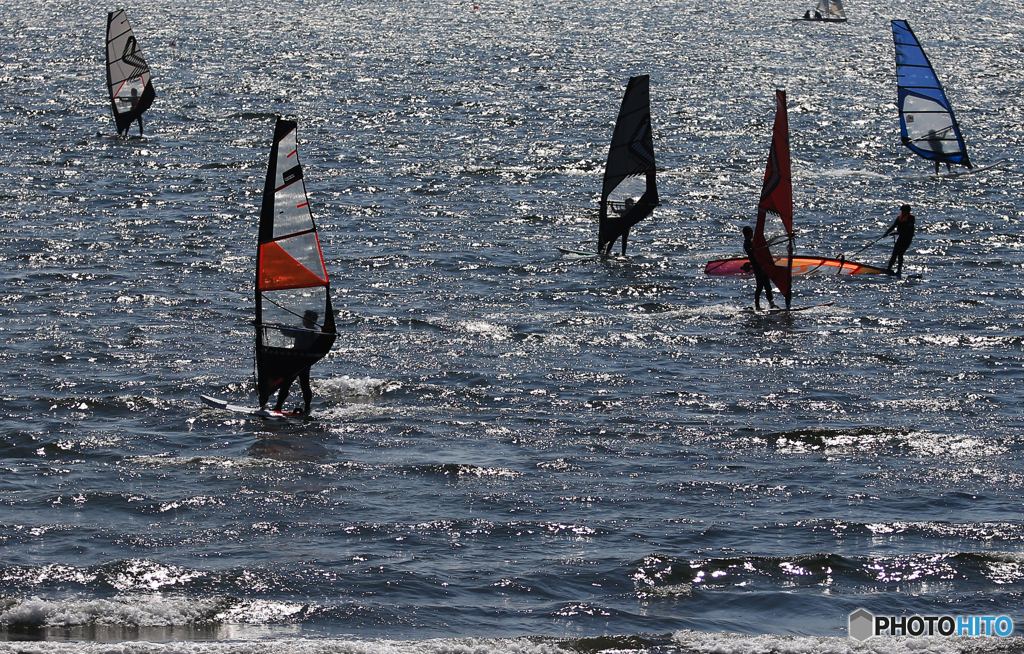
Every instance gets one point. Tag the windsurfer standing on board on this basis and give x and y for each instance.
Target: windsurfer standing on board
(303, 341)
(935, 143)
(904, 227)
(135, 103)
(759, 274)
(132, 103)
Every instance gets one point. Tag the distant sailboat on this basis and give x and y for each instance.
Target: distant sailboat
(294, 318)
(129, 79)
(829, 11)
(927, 124)
(625, 200)
(776, 200)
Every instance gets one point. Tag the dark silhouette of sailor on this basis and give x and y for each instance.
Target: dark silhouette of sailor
(304, 340)
(936, 146)
(904, 228)
(763, 282)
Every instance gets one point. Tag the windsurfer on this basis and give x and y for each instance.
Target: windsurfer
(759, 274)
(133, 102)
(904, 228)
(935, 143)
(304, 340)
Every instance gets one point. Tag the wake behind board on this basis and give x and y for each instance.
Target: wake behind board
(795, 309)
(250, 411)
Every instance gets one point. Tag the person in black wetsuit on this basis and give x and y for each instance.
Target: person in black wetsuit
(904, 228)
(302, 341)
(134, 103)
(759, 274)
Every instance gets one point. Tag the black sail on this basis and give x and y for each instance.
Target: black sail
(625, 198)
(294, 319)
(129, 79)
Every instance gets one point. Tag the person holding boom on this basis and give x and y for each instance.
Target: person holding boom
(904, 228)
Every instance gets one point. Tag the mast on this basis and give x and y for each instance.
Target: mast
(777, 200)
(294, 319)
(624, 203)
(928, 126)
(129, 80)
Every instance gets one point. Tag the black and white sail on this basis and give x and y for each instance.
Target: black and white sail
(129, 79)
(630, 191)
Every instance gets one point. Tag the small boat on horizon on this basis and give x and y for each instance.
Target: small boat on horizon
(827, 11)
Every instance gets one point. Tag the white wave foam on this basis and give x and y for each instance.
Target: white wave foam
(723, 643)
(690, 641)
(345, 387)
(128, 611)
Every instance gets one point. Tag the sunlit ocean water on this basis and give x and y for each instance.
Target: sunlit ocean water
(515, 451)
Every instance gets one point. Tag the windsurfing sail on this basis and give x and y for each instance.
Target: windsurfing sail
(626, 199)
(294, 319)
(831, 9)
(777, 201)
(927, 124)
(828, 10)
(128, 77)
(802, 266)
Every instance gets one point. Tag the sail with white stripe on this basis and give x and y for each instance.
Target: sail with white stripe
(129, 79)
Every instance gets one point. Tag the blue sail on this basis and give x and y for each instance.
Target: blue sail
(927, 124)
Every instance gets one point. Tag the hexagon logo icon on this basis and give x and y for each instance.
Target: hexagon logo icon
(861, 625)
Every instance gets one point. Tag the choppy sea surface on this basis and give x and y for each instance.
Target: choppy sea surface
(515, 451)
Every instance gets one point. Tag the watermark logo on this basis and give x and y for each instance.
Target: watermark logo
(863, 625)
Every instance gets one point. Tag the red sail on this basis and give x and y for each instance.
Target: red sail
(777, 200)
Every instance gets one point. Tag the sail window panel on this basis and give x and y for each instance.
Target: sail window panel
(124, 98)
(622, 198)
(289, 316)
(291, 210)
(287, 160)
(305, 249)
(924, 123)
